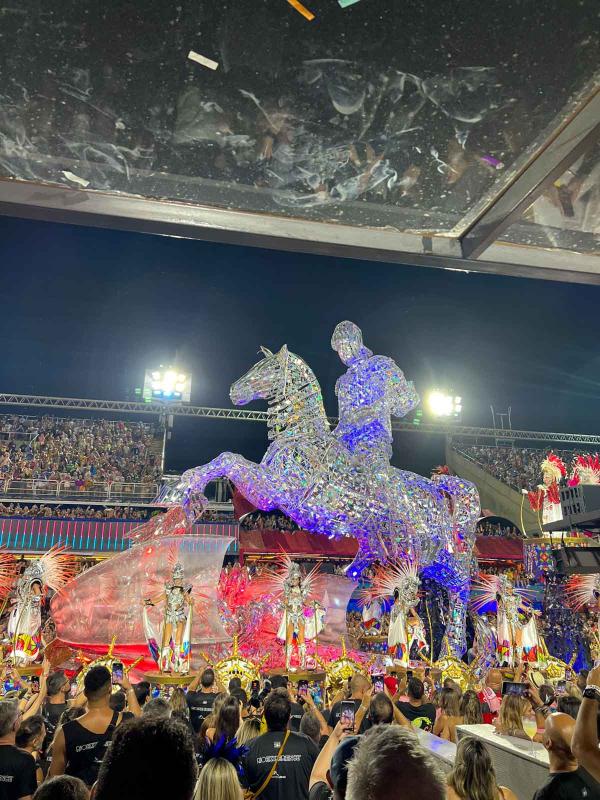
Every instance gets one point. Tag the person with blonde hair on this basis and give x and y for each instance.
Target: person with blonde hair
(248, 730)
(445, 724)
(510, 717)
(218, 781)
(473, 776)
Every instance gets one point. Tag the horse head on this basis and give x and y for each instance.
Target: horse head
(262, 381)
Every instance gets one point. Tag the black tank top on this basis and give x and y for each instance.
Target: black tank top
(85, 749)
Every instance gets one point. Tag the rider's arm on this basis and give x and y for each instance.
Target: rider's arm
(404, 395)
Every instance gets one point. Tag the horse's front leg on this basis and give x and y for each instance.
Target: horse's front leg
(254, 481)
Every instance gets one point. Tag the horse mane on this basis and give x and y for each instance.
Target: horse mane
(297, 408)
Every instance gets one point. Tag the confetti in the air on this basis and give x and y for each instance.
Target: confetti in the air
(301, 9)
(346, 3)
(206, 62)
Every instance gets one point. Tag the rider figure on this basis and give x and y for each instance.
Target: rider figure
(369, 393)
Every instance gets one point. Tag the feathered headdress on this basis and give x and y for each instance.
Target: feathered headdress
(555, 466)
(583, 590)
(228, 750)
(275, 581)
(55, 568)
(486, 589)
(8, 572)
(586, 470)
(400, 575)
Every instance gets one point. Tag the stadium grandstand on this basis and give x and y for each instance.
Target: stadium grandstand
(86, 483)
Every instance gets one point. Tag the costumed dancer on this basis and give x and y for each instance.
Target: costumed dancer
(546, 497)
(302, 617)
(175, 631)
(52, 571)
(514, 618)
(583, 591)
(401, 581)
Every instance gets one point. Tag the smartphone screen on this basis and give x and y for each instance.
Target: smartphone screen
(302, 688)
(511, 687)
(255, 687)
(568, 674)
(73, 690)
(117, 672)
(35, 684)
(561, 687)
(378, 684)
(347, 714)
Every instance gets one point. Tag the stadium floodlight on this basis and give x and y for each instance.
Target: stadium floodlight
(167, 383)
(444, 404)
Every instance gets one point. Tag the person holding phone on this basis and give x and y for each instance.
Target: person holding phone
(279, 762)
(80, 745)
(359, 685)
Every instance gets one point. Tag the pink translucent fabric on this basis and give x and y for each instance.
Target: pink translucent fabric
(107, 600)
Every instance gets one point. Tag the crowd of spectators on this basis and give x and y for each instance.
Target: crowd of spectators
(514, 572)
(487, 528)
(75, 512)
(267, 521)
(79, 452)
(213, 742)
(519, 467)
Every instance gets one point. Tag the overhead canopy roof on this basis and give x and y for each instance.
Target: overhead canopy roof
(440, 134)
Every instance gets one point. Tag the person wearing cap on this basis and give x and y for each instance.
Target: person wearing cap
(369, 393)
(329, 775)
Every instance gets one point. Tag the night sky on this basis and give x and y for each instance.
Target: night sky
(85, 311)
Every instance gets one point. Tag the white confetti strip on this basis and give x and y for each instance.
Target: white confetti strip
(75, 178)
(206, 62)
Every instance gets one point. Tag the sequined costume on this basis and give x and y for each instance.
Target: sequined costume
(174, 651)
(175, 605)
(53, 570)
(302, 618)
(514, 617)
(402, 581)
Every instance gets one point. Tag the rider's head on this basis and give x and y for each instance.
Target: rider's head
(347, 342)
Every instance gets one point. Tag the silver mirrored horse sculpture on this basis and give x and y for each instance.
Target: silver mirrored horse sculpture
(309, 474)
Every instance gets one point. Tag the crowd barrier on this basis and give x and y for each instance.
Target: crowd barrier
(520, 765)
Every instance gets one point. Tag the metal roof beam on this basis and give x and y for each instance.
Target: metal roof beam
(248, 415)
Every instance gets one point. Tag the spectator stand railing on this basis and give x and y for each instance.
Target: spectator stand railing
(17, 436)
(85, 422)
(40, 489)
(38, 534)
